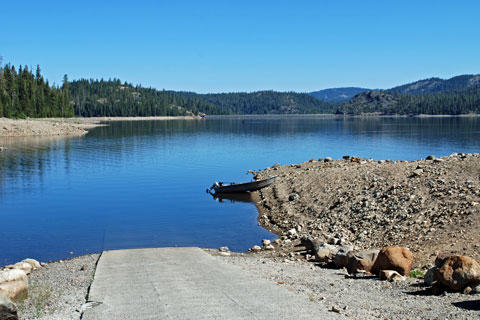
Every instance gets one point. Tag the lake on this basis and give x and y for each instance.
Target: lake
(142, 183)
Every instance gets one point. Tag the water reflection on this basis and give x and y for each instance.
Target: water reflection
(233, 197)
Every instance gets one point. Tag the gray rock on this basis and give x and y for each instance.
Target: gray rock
(8, 311)
(292, 197)
(430, 157)
(223, 249)
(361, 260)
(417, 172)
(429, 278)
(327, 159)
(323, 255)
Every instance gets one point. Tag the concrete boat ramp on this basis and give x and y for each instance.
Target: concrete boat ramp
(188, 283)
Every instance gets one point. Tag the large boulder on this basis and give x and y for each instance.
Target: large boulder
(457, 273)
(8, 311)
(359, 261)
(14, 283)
(394, 258)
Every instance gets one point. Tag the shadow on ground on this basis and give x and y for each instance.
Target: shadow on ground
(468, 305)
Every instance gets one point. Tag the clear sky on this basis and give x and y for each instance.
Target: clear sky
(224, 46)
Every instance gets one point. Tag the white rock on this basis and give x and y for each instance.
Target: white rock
(266, 242)
(12, 275)
(15, 290)
(27, 267)
(292, 231)
(34, 263)
(256, 248)
(269, 247)
(224, 253)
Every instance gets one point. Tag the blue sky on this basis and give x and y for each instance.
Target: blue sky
(224, 46)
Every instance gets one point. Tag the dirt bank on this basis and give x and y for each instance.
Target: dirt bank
(429, 206)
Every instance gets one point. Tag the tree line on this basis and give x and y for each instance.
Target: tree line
(265, 102)
(24, 94)
(112, 98)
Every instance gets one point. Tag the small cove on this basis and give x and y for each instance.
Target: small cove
(142, 183)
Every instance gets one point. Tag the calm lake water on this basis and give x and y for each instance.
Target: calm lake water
(142, 183)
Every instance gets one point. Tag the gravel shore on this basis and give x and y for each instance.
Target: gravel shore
(58, 290)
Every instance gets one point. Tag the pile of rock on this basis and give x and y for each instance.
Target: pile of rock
(416, 204)
(14, 286)
(391, 263)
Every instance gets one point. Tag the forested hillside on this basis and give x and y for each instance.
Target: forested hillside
(113, 98)
(265, 102)
(435, 85)
(453, 102)
(23, 94)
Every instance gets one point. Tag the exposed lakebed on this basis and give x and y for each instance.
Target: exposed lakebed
(142, 183)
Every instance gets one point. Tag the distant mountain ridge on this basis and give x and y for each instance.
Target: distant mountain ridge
(434, 85)
(337, 94)
(454, 96)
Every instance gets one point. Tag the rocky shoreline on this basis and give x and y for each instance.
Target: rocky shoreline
(430, 206)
